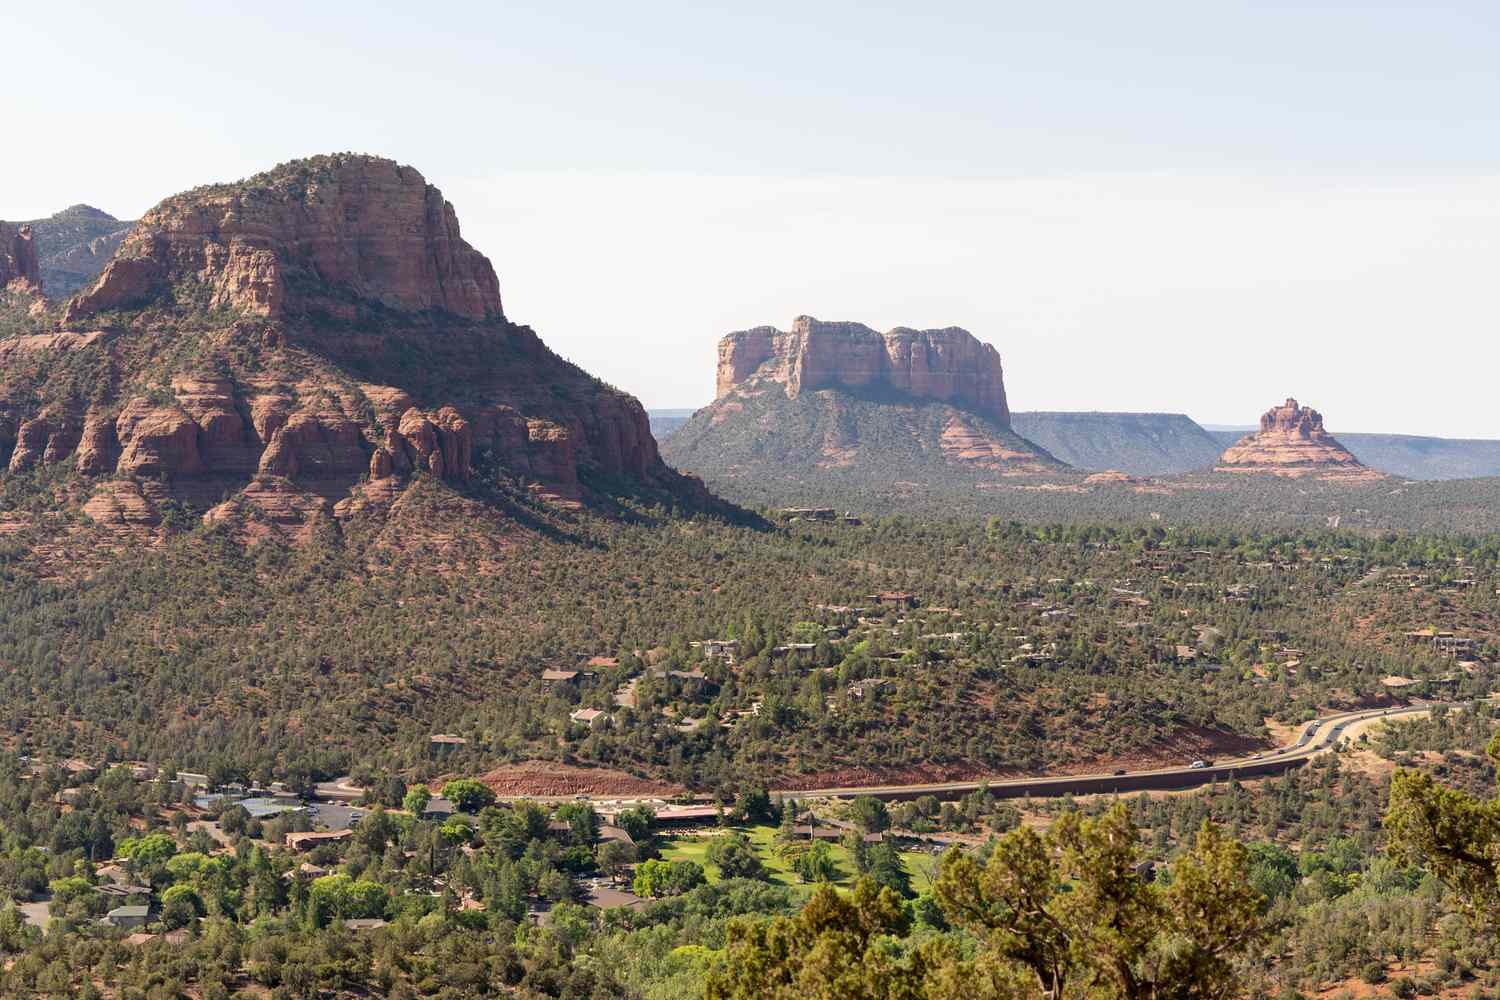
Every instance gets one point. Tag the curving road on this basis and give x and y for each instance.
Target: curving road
(1317, 737)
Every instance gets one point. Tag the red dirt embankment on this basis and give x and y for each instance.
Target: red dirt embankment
(546, 778)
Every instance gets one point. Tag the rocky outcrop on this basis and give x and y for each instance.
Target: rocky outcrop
(299, 346)
(19, 266)
(157, 439)
(74, 245)
(307, 237)
(947, 365)
(1291, 442)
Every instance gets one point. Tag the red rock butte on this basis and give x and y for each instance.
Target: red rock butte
(365, 226)
(948, 365)
(306, 342)
(1292, 443)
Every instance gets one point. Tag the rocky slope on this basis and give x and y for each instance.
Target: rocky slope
(840, 401)
(1141, 444)
(1291, 442)
(74, 245)
(18, 259)
(296, 348)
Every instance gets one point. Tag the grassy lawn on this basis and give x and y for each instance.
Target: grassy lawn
(695, 848)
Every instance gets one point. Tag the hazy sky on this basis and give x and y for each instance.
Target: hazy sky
(1199, 206)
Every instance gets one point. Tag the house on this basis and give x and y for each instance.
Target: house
(122, 889)
(863, 688)
(307, 841)
(559, 676)
(686, 815)
(894, 599)
(717, 649)
(364, 923)
(591, 717)
(129, 917)
(807, 514)
(442, 744)
(607, 832)
(613, 899)
(438, 808)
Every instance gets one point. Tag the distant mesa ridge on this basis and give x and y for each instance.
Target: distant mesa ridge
(948, 365)
(1151, 444)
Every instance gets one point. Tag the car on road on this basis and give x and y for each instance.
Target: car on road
(1198, 764)
(1119, 772)
(1255, 756)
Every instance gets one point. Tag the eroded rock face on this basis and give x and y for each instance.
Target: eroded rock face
(303, 343)
(19, 264)
(157, 439)
(947, 365)
(331, 228)
(1291, 442)
(99, 447)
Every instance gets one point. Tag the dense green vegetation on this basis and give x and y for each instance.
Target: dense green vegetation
(1032, 648)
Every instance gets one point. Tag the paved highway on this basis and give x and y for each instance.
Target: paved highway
(1318, 736)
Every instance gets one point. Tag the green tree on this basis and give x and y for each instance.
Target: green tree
(736, 857)
(148, 851)
(638, 821)
(1451, 833)
(582, 820)
(468, 795)
(816, 864)
(886, 868)
(870, 814)
(415, 800)
(1069, 907)
(831, 950)
(666, 878)
(180, 906)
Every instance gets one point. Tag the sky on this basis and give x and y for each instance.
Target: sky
(1198, 207)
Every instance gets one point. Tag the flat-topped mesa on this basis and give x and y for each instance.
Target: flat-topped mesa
(948, 365)
(1291, 442)
(18, 258)
(309, 235)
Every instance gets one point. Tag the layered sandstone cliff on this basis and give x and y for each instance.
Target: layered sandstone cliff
(1291, 442)
(307, 342)
(948, 365)
(870, 408)
(19, 265)
(282, 241)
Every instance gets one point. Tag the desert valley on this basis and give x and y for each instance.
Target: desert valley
(372, 626)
